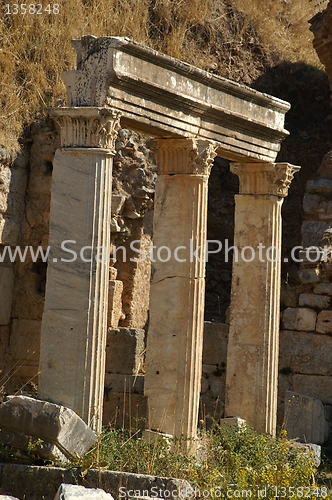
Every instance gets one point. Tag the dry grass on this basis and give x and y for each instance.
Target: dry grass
(233, 38)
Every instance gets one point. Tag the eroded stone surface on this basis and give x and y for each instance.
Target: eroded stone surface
(296, 353)
(175, 105)
(299, 319)
(58, 427)
(305, 419)
(324, 322)
(314, 301)
(125, 350)
(72, 491)
(74, 327)
(175, 337)
(252, 354)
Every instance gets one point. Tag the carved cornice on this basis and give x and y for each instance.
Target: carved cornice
(185, 156)
(265, 178)
(87, 127)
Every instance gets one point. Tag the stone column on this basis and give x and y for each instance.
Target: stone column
(253, 345)
(175, 337)
(73, 340)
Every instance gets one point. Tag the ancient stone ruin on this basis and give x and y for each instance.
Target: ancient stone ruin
(96, 334)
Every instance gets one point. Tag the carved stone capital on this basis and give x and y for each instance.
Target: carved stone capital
(265, 178)
(185, 156)
(87, 127)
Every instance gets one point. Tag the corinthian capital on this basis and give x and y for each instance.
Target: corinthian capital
(87, 127)
(265, 178)
(185, 156)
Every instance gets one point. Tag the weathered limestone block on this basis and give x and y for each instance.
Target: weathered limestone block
(60, 428)
(73, 491)
(215, 340)
(314, 301)
(253, 345)
(6, 293)
(312, 233)
(310, 275)
(319, 186)
(115, 313)
(324, 322)
(323, 289)
(299, 319)
(305, 419)
(315, 386)
(125, 350)
(311, 203)
(36, 482)
(296, 353)
(136, 278)
(175, 337)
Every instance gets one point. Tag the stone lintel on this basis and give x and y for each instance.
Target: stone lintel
(160, 95)
(83, 127)
(265, 178)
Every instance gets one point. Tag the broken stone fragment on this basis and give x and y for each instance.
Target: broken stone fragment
(62, 432)
(72, 491)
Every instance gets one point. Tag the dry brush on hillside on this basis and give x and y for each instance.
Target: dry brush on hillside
(232, 38)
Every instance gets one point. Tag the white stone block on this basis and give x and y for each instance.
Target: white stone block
(62, 431)
(73, 491)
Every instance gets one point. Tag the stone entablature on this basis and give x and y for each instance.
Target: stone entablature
(162, 96)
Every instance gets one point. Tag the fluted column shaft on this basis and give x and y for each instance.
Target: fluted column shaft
(253, 345)
(175, 337)
(73, 341)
